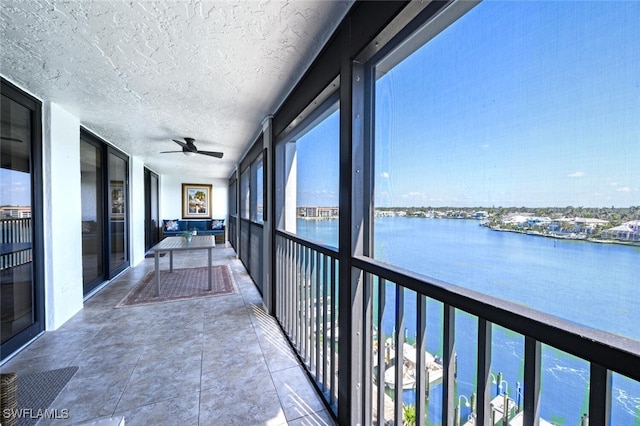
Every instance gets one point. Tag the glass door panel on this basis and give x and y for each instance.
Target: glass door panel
(92, 194)
(17, 277)
(118, 213)
(152, 214)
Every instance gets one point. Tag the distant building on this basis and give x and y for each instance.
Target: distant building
(516, 219)
(384, 213)
(538, 222)
(628, 231)
(314, 212)
(15, 212)
(588, 225)
(480, 215)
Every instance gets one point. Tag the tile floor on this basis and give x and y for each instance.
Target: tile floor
(213, 361)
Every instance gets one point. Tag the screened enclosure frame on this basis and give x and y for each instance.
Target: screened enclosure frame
(370, 32)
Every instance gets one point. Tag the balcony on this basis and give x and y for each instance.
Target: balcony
(313, 313)
(216, 360)
(342, 310)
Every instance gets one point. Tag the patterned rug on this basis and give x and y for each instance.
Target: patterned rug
(181, 284)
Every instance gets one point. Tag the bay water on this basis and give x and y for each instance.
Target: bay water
(592, 284)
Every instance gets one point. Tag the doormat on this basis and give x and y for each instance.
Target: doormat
(37, 391)
(181, 284)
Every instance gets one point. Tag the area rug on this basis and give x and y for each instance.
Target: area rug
(37, 391)
(181, 284)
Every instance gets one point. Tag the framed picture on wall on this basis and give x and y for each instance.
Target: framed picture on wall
(117, 200)
(196, 201)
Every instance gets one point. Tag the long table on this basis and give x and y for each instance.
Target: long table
(171, 244)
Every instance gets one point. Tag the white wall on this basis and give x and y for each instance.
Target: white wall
(171, 196)
(62, 216)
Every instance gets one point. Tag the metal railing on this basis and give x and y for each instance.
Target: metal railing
(307, 294)
(232, 229)
(307, 307)
(15, 242)
(605, 352)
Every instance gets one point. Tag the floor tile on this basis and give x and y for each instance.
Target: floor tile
(182, 410)
(254, 408)
(320, 418)
(297, 396)
(155, 382)
(88, 396)
(211, 361)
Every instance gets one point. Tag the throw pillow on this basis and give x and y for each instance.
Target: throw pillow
(171, 225)
(217, 224)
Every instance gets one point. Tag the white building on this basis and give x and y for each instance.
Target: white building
(628, 231)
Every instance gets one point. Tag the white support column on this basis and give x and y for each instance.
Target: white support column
(62, 216)
(136, 212)
(290, 186)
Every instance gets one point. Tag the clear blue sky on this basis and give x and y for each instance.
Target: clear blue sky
(515, 104)
(15, 188)
(318, 164)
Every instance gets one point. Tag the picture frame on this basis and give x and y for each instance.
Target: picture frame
(117, 200)
(196, 201)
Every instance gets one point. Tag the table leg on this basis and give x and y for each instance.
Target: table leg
(157, 260)
(210, 273)
(170, 260)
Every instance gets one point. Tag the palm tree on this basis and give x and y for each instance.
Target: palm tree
(408, 414)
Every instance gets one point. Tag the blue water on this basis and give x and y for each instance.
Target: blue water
(591, 284)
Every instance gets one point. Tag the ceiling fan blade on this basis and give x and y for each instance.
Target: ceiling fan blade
(211, 153)
(168, 152)
(182, 144)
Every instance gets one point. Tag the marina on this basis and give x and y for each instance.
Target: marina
(542, 273)
(433, 370)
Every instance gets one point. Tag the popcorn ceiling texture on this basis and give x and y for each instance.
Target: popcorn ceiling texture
(140, 73)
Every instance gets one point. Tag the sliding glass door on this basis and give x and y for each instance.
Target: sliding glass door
(118, 176)
(21, 282)
(92, 184)
(105, 240)
(151, 209)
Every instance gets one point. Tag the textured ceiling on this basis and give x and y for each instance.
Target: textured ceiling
(140, 73)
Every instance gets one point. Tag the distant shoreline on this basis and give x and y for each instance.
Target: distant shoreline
(575, 237)
(570, 236)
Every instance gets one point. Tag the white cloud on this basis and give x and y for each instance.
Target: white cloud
(624, 189)
(484, 146)
(577, 175)
(385, 175)
(414, 194)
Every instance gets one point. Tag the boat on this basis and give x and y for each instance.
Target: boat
(433, 369)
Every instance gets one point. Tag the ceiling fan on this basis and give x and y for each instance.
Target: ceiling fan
(189, 148)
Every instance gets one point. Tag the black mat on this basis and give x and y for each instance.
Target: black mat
(152, 255)
(37, 391)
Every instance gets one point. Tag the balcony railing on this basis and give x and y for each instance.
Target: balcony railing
(307, 307)
(15, 242)
(307, 294)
